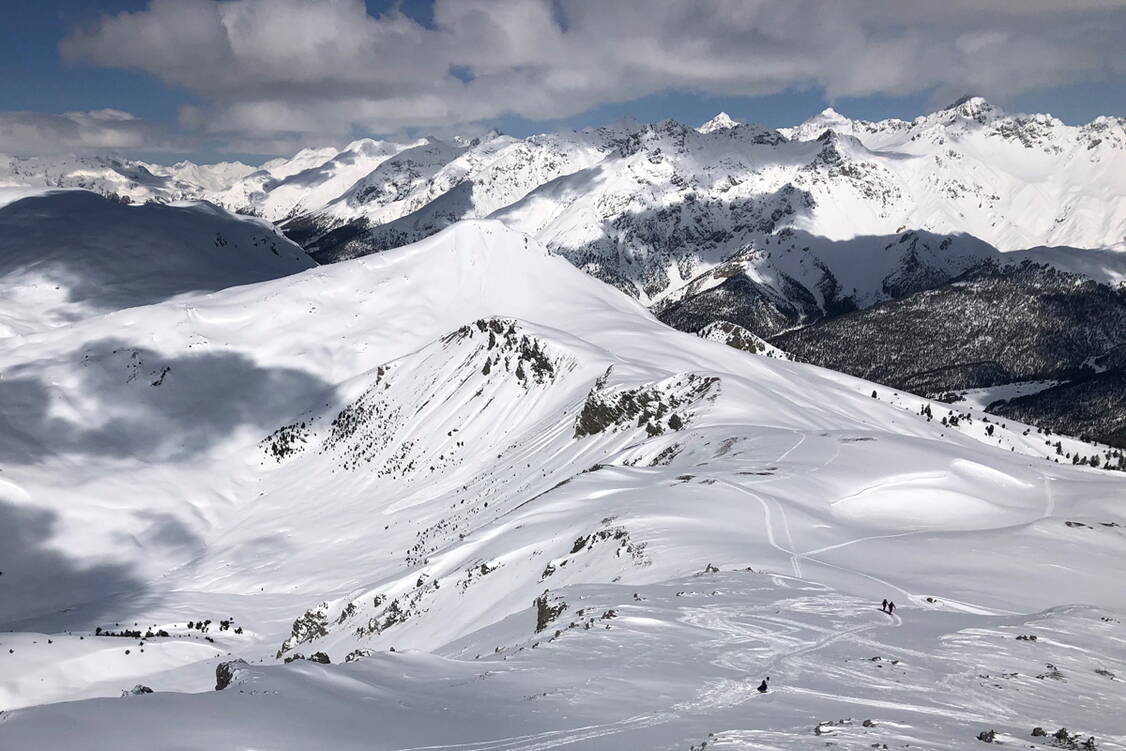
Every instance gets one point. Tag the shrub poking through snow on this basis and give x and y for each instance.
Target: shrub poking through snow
(656, 407)
(547, 612)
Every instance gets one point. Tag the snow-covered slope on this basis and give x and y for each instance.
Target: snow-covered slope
(734, 335)
(406, 182)
(1016, 181)
(314, 177)
(70, 254)
(209, 178)
(575, 526)
(426, 190)
(124, 179)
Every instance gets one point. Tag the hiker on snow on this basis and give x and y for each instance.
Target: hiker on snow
(891, 608)
(884, 607)
(762, 686)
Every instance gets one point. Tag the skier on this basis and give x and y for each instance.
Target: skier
(884, 607)
(891, 608)
(762, 686)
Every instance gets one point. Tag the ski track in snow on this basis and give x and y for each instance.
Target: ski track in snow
(726, 694)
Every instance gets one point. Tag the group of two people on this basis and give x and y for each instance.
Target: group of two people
(887, 606)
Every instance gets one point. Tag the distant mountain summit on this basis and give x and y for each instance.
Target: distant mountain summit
(722, 121)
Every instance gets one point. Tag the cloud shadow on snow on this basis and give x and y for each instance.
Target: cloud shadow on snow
(44, 589)
(107, 255)
(135, 402)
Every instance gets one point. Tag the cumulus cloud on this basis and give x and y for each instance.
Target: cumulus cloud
(37, 132)
(270, 67)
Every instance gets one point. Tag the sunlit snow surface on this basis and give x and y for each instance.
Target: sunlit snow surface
(477, 440)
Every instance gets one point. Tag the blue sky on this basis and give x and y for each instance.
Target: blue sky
(104, 74)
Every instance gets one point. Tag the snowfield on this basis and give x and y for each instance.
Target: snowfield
(461, 495)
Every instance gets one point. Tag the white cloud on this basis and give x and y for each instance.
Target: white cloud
(326, 67)
(38, 132)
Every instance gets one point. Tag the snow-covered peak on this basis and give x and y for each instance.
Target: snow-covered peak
(470, 142)
(973, 108)
(827, 118)
(306, 158)
(133, 181)
(818, 124)
(370, 147)
(722, 121)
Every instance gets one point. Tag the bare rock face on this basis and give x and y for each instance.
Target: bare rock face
(225, 673)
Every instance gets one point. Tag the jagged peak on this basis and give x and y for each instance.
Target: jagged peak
(972, 107)
(722, 121)
(470, 142)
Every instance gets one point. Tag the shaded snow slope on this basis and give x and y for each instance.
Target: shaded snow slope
(66, 255)
(547, 502)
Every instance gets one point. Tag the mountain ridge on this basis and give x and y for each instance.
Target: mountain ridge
(770, 229)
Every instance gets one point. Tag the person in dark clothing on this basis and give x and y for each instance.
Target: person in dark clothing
(891, 608)
(884, 607)
(762, 686)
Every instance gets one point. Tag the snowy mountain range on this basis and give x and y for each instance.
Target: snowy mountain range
(668, 212)
(769, 230)
(460, 494)
(654, 208)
